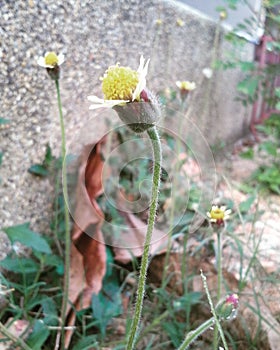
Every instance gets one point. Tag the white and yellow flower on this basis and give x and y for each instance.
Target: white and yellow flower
(121, 85)
(219, 214)
(186, 85)
(51, 60)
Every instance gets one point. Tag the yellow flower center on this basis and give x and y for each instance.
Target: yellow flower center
(119, 83)
(217, 214)
(51, 59)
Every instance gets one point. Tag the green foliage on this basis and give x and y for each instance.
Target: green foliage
(43, 169)
(268, 177)
(107, 303)
(246, 205)
(20, 265)
(249, 86)
(248, 154)
(86, 343)
(258, 82)
(25, 236)
(39, 335)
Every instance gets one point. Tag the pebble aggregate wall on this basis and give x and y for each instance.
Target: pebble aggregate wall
(94, 35)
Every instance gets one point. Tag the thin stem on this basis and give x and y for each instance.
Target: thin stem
(191, 336)
(173, 204)
(219, 282)
(13, 338)
(217, 322)
(153, 134)
(66, 218)
(219, 264)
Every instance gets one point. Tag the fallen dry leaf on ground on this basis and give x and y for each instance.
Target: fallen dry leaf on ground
(133, 239)
(88, 254)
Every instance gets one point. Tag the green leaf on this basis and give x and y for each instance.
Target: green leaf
(108, 303)
(246, 205)
(275, 188)
(51, 260)
(175, 331)
(39, 170)
(269, 147)
(38, 336)
(249, 154)
(50, 311)
(248, 86)
(25, 236)
(1, 157)
(86, 343)
(247, 66)
(48, 156)
(232, 4)
(43, 169)
(19, 265)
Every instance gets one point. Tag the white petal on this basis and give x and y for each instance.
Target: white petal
(141, 64)
(41, 62)
(61, 58)
(179, 84)
(95, 99)
(100, 103)
(142, 71)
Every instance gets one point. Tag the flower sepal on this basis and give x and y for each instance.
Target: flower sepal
(140, 116)
(227, 308)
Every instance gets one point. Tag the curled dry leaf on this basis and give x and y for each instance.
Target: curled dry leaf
(133, 240)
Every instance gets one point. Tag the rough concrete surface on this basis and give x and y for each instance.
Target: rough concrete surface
(94, 35)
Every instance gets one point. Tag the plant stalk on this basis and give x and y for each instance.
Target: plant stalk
(13, 338)
(191, 336)
(66, 218)
(133, 333)
(219, 283)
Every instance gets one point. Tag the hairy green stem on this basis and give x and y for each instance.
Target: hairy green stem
(216, 319)
(191, 336)
(133, 333)
(13, 338)
(66, 218)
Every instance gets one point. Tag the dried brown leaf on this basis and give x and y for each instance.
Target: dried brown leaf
(88, 253)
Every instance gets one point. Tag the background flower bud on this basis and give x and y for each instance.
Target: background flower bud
(227, 309)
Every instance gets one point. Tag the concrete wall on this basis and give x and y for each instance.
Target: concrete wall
(94, 35)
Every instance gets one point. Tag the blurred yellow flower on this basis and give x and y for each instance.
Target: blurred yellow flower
(185, 85)
(180, 23)
(218, 214)
(223, 15)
